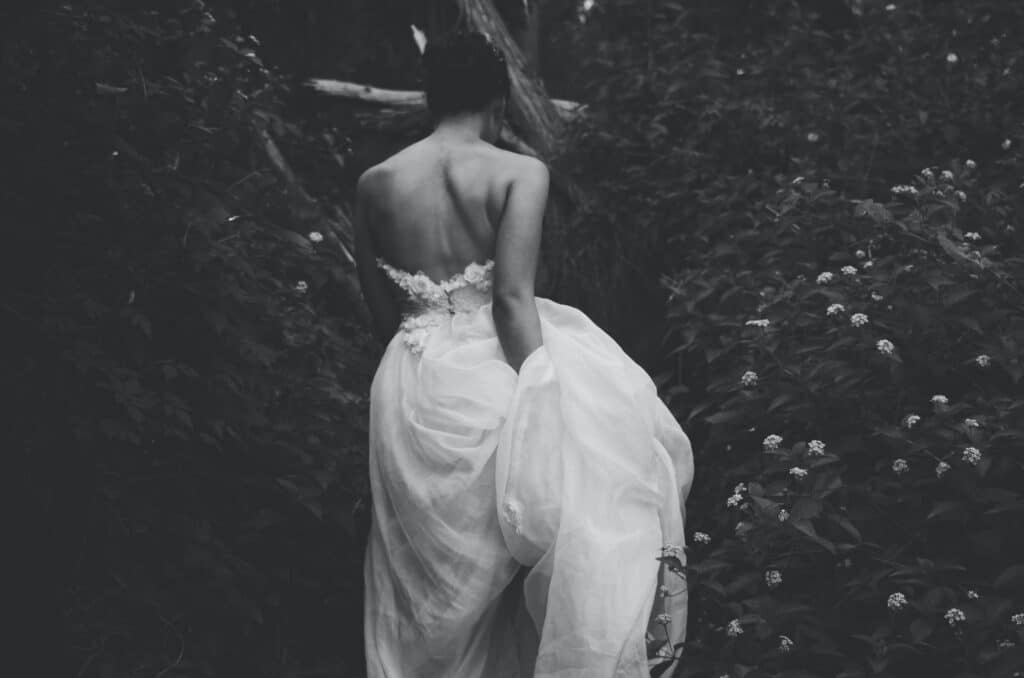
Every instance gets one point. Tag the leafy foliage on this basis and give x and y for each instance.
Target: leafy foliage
(864, 371)
(195, 367)
(762, 142)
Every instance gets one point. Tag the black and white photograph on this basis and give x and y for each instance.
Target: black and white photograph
(514, 338)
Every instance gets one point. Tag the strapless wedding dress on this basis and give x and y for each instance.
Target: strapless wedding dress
(524, 524)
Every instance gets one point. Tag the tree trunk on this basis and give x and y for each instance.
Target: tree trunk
(530, 37)
(531, 112)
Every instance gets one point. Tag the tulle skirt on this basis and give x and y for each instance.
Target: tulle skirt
(519, 519)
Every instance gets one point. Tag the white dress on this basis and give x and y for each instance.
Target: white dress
(523, 524)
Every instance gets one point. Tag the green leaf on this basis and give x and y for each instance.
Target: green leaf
(922, 628)
(1010, 578)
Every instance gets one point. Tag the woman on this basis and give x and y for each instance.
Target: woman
(526, 479)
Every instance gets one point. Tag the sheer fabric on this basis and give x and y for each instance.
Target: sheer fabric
(519, 519)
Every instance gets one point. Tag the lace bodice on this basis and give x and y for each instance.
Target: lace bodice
(429, 301)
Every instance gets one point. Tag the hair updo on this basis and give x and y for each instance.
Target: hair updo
(464, 72)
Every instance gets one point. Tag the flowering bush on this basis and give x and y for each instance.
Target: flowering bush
(878, 455)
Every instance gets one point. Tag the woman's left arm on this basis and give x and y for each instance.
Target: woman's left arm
(375, 284)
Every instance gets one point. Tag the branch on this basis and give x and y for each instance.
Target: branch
(413, 99)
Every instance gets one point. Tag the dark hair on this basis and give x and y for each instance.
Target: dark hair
(464, 72)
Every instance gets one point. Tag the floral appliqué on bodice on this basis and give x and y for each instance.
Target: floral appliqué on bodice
(431, 302)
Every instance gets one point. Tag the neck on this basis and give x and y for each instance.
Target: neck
(462, 127)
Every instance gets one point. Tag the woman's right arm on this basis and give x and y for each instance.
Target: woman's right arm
(374, 283)
(515, 263)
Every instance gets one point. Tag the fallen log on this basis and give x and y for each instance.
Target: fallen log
(412, 99)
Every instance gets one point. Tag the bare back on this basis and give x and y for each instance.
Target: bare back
(436, 206)
(442, 204)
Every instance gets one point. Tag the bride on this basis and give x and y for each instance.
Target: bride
(528, 484)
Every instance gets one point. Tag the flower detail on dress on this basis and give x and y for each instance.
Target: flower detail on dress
(416, 330)
(672, 551)
(476, 274)
(433, 301)
(512, 512)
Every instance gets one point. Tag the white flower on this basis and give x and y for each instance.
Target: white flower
(512, 512)
(972, 594)
(419, 284)
(971, 422)
(858, 320)
(946, 175)
(798, 180)
(734, 628)
(900, 466)
(941, 468)
(927, 173)
(952, 58)
(885, 347)
(749, 378)
(860, 254)
(813, 137)
(910, 420)
(961, 196)
(663, 619)
(1006, 144)
(971, 455)
(875, 296)
(825, 278)
(983, 360)
(783, 515)
(702, 537)
(1018, 619)
(416, 339)
(954, 616)
(816, 448)
(835, 309)
(970, 164)
(760, 322)
(849, 270)
(734, 501)
(903, 189)
(740, 488)
(868, 264)
(972, 235)
(301, 286)
(798, 472)
(772, 442)
(1004, 644)
(475, 273)
(773, 578)
(939, 399)
(785, 644)
(896, 602)
(316, 236)
(740, 71)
